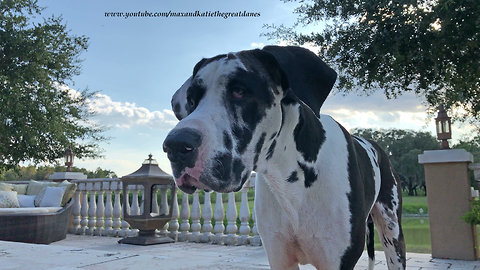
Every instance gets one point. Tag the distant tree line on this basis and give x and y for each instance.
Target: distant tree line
(403, 148)
(43, 172)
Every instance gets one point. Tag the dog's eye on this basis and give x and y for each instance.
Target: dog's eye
(238, 93)
(191, 103)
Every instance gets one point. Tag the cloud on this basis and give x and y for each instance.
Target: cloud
(257, 45)
(378, 112)
(124, 115)
(127, 114)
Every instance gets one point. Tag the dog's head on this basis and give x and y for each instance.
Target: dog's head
(228, 108)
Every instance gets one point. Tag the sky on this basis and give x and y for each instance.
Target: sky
(136, 64)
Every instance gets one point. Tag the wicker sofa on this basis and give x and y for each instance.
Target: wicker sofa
(40, 225)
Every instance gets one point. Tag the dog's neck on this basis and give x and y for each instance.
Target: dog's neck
(286, 156)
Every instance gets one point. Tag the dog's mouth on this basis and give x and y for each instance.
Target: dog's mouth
(188, 183)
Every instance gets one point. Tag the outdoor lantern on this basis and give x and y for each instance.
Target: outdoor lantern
(68, 159)
(443, 125)
(150, 218)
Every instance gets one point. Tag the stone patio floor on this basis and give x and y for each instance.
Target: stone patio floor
(90, 252)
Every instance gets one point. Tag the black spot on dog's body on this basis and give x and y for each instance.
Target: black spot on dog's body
(362, 186)
(370, 239)
(273, 136)
(293, 177)
(271, 149)
(258, 149)
(227, 141)
(309, 134)
(308, 173)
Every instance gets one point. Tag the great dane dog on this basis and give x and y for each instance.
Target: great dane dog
(319, 189)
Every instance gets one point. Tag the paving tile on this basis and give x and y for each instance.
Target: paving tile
(104, 253)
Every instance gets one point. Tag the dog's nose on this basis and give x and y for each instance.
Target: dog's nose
(181, 146)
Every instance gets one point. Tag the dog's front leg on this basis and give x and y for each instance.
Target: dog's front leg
(273, 228)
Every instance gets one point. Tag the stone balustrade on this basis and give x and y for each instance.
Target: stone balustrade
(98, 210)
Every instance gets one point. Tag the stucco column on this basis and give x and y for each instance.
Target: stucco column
(449, 197)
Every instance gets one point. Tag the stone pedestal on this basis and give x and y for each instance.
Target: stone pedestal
(449, 197)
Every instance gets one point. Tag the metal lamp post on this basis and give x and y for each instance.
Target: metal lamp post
(151, 177)
(68, 159)
(443, 125)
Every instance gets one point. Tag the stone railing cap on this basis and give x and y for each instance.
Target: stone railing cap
(445, 156)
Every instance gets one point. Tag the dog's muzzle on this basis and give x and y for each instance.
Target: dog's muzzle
(182, 147)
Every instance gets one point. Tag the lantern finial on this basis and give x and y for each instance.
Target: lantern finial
(443, 126)
(68, 159)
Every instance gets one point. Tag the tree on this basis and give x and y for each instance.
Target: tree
(43, 172)
(427, 47)
(472, 145)
(403, 148)
(39, 117)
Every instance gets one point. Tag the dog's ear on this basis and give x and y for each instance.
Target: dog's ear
(268, 65)
(311, 80)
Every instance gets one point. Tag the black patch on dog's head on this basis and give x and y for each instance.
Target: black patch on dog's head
(227, 141)
(205, 61)
(194, 94)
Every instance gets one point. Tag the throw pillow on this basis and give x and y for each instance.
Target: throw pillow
(26, 200)
(8, 199)
(6, 187)
(69, 191)
(34, 187)
(50, 197)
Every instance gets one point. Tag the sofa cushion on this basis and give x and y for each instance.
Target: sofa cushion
(6, 187)
(21, 189)
(34, 187)
(69, 191)
(50, 197)
(26, 200)
(28, 210)
(8, 199)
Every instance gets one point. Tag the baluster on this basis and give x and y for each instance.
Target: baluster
(92, 209)
(174, 222)
(135, 210)
(125, 231)
(77, 206)
(255, 239)
(140, 188)
(219, 215)
(164, 208)
(196, 214)
(155, 208)
(244, 217)
(108, 209)
(84, 211)
(100, 213)
(231, 230)
(207, 219)
(117, 207)
(184, 216)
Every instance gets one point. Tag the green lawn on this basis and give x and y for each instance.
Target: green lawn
(412, 204)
